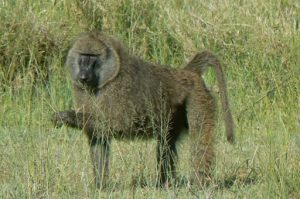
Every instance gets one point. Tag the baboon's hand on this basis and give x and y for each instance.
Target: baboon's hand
(61, 118)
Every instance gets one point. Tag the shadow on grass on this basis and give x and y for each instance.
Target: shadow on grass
(239, 180)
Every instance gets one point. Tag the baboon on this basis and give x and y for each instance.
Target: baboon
(118, 95)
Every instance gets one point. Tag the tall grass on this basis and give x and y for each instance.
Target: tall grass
(258, 42)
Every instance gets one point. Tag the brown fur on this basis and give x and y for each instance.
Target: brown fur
(121, 96)
(198, 64)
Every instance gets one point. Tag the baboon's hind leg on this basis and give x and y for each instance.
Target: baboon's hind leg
(166, 147)
(201, 118)
(166, 159)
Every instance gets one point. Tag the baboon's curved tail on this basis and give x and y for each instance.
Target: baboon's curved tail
(199, 63)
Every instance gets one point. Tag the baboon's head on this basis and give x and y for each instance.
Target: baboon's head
(92, 61)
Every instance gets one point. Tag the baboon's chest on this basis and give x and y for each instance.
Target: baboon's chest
(127, 112)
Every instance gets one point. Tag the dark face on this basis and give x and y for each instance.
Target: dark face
(88, 67)
(92, 63)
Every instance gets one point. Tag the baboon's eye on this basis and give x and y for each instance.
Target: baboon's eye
(94, 65)
(79, 61)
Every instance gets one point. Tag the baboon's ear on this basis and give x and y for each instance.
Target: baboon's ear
(110, 67)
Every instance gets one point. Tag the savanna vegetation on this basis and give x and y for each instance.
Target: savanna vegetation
(258, 42)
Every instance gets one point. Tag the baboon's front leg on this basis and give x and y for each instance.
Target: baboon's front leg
(100, 150)
(73, 119)
(69, 118)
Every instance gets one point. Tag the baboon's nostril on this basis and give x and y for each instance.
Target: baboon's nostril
(83, 77)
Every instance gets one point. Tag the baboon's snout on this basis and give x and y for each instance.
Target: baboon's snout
(83, 77)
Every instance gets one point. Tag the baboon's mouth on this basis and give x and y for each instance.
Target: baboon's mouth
(87, 85)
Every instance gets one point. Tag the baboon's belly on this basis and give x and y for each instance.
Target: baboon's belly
(127, 123)
(125, 127)
(123, 115)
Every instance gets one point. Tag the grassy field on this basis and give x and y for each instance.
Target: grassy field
(258, 42)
